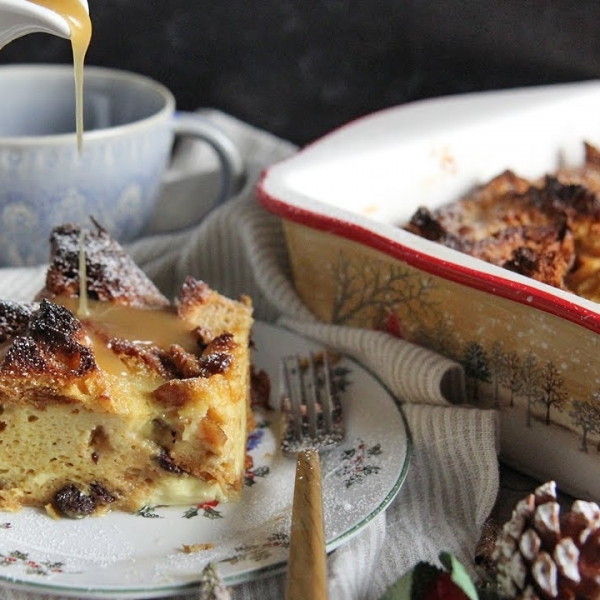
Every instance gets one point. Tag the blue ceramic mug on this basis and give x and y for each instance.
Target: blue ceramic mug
(129, 127)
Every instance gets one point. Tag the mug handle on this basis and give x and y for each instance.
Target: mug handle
(231, 176)
(233, 168)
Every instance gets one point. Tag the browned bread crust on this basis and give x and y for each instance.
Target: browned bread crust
(545, 229)
(112, 275)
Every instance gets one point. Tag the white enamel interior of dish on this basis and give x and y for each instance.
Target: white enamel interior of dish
(376, 171)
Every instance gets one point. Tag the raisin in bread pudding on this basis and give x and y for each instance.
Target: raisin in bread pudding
(112, 397)
(546, 229)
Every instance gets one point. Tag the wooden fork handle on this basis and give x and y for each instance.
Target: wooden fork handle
(307, 570)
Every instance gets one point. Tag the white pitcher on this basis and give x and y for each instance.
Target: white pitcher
(21, 17)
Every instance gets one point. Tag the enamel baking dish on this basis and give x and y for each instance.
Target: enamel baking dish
(529, 350)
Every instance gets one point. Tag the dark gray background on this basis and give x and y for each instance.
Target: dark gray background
(299, 68)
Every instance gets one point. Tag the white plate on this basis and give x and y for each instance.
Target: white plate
(133, 556)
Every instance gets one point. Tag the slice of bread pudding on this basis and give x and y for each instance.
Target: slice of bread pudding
(112, 397)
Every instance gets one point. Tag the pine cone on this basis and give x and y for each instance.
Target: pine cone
(541, 554)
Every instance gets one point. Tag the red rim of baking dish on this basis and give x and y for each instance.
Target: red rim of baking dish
(480, 280)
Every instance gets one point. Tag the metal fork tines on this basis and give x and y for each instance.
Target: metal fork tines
(311, 406)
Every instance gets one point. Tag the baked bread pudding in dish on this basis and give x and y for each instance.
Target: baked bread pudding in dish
(548, 230)
(113, 397)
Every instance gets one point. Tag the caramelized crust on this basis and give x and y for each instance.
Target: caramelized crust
(14, 317)
(547, 230)
(112, 276)
(51, 345)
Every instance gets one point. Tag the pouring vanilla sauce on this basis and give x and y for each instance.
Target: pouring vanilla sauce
(80, 25)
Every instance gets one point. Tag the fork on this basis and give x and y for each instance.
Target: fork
(312, 423)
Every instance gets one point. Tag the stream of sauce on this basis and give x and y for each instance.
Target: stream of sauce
(81, 33)
(145, 327)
